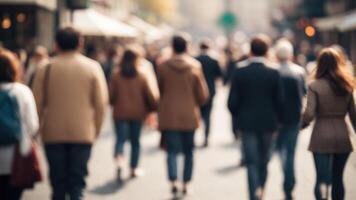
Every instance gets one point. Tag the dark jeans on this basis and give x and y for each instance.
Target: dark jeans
(285, 144)
(180, 142)
(7, 191)
(68, 169)
(330, 171)
(257, 150)
(206, 113)
(131, 130)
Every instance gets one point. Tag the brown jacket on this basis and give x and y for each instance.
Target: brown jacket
(131, 98)
(331, 134)
(77, 99)
(183, 90)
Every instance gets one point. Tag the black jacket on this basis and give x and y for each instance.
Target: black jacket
(294, 90)
(256, 97)
(211, 70)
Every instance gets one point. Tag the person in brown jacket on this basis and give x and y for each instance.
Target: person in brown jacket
(329, 99)
(132, 99)
(71, 97)
(183, 90)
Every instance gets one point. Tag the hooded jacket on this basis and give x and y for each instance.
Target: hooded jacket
(183, 90)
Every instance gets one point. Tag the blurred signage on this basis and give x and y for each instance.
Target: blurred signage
(228, 20)
(78, 4)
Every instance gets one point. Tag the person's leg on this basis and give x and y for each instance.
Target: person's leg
(57, 157)
(250, 147)
(173, 141)
(265, 149)
(122, 132)
(323, 175)
(206, 112)
(188, 150)
(15, 193)
(5, 187)
(339, 162)
(287, 140)
(135, 132)
(79, 155)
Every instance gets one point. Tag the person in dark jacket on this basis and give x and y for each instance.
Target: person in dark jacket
(212, 72)
(295, 89)
(255, 99)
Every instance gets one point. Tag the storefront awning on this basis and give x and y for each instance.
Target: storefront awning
(93, 23)
(149, 31)
(328, 23)
(348, 23)
(48, 4)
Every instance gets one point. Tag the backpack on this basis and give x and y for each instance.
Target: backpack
(10, 121)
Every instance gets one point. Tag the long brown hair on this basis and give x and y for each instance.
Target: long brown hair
(9, 67)
(329, 66)
(129, 62)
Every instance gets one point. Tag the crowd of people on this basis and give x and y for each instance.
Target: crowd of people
(66, 99)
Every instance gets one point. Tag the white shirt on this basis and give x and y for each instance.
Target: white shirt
(30, 124)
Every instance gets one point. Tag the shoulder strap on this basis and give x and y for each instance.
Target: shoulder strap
(45, 85)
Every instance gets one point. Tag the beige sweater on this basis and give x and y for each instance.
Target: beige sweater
(77, 99)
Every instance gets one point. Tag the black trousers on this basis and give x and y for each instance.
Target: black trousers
(8, 192)
(206, 113)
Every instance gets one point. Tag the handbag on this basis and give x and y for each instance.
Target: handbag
(26, 169)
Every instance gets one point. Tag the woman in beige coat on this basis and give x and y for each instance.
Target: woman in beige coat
(329, 99)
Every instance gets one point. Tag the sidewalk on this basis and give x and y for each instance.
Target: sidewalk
(216, 175)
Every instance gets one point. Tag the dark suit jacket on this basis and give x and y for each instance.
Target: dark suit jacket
(211, 70)
(294, 90)
(256, 96)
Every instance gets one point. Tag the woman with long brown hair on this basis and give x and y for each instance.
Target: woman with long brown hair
(329, 100)
(132, 99)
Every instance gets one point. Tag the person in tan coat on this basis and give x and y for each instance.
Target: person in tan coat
(329, 100)
(132, 99)
(71, 97)
(183, 91)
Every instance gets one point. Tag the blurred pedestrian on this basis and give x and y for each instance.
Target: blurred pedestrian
(132, 99)
(38, 59)
(183, 90)
(112, 59)
(329, 99)
(212, 72)
(71, 96)
(293, 80)
(255, 98)
(17, 106)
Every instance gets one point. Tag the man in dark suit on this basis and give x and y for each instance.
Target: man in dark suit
(295, 89)
(212, 71)
(255, 99)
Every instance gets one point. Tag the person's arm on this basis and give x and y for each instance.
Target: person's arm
(30, 112)
(201, 89)
(310, 110)
(352, 111)
(233, 99)
(113, 88)
(100, 97)
(37, 89)
(150, 98)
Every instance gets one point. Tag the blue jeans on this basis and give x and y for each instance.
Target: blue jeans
(68, 169)
(180, 142)
(330, 171)
(285, 144)
(257, 150)
(131, 130)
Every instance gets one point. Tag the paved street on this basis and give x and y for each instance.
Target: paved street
(216, 175)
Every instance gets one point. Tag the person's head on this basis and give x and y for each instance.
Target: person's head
(260, 45)
(341, 51)
(40, 53)
(284, 50)
(329, 67)
(68, 39)
(129, 62)
(180, 43)
(205, 45)
(9, 67)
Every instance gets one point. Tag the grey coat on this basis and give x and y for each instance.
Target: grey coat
(330, 134)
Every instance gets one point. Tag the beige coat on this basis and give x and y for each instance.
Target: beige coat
(183, 90)
(330, 134)
(77, 99)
